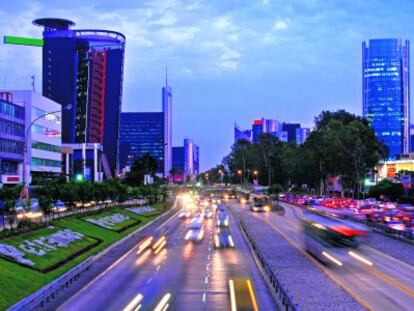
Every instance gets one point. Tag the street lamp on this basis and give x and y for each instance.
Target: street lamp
(240, 173)
(26, 138)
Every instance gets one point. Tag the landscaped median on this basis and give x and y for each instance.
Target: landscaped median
(32, 260)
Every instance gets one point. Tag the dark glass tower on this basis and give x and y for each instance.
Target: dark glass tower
(141, 133)
(386, 92)
(84, 68)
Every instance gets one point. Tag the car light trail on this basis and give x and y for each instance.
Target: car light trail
(200, 235)
(233, 304)
(160, 247)
(135, 303)
(160, 241)
(163, 304)
(252, 296)
(216, 241)
(360, 258)
(187, 236)
(332, 258)
(144, 244)
(231, 243)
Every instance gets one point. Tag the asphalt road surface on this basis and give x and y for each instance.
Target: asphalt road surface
(386, 285)
(189, 276)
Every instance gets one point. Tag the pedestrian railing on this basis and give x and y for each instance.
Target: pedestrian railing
(48, 292)
(386, 230)
(282, 294)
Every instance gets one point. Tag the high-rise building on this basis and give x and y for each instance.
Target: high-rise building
(301, 134)
(386, 92)
(44, 140)
(12, 136)
(242, 134)
(84, 68)
(142, 133)
(186, 158)
(167, 110)
(291, 128)
(258, 128)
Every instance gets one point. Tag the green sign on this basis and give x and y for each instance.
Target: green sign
(23, 41)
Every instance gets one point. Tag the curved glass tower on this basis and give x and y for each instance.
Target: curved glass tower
(386, 92)
(84, 68)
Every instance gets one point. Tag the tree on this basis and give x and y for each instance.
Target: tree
(145, 165)
(45, 203)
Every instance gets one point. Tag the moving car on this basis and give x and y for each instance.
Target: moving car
(184, 214)
(222, 220)
(195, 235)
(223, 239)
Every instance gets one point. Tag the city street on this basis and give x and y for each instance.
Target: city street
(196, 275)
(386, 285)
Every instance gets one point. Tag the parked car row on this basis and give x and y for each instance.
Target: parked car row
(391, 214)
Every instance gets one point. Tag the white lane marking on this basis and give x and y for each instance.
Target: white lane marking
(158, 268)
(206, 280)
(208, 257)
(204, 297)
(149, 280)
(207, 266)
(209, 249)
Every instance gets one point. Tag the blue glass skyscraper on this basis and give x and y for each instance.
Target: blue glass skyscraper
(386, 92)
(83, 68)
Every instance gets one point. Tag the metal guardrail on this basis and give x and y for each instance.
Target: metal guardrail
(281, 292)
(47, 292)
(386, 230)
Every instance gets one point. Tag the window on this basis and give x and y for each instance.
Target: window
(45, 162)
(11, 128)
(11, 110)
(11, 146)
(47, 147)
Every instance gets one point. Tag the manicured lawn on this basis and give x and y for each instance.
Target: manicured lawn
(51, 257)
(119, 226)
(17, 282)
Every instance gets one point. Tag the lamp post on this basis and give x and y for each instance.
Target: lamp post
(25, 193)
(239, 172)
(256, 175)
(221, 175)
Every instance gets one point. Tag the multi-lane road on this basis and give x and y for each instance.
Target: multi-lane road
(387, 284)
(185, 275)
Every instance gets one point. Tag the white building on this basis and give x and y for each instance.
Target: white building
(44, 141)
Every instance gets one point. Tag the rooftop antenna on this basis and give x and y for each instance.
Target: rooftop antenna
(33, 82)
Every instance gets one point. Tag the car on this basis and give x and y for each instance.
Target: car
(184, 214)
(195, 235)
(220, 208)
(195, 223)
(222, 220)
(223, 239)
(59, 206)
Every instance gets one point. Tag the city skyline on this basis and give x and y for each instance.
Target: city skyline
(242, 50)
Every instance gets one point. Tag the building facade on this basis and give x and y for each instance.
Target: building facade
(43, 123)
(186, 159)
(240, 134)
(291, 129)
(141, 133)
(301, 134)
(167, 110)
(386, 92)
(12, 135)
(84, 69)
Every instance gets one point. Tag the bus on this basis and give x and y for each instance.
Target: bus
(260, 203)
(333, 241)
(243, 196)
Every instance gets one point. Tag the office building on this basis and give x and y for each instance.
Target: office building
(240, 134)
(291, 128)
(186, 159)
(12, 133)
(386, 92)
(141, 133)
(84, 68)
(258, 128)
(44, 141)
(167, 110)
(301, 134)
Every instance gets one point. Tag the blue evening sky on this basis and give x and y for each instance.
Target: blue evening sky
(228, 60)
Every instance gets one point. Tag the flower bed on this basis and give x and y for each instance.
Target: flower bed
(45, 249)
(141, 210)
(117, 220)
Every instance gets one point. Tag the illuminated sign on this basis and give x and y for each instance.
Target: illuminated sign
(23, 41)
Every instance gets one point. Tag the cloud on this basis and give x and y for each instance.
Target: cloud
(166, 20)
(281, 24)
(179, 35)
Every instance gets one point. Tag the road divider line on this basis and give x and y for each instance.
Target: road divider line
(204, 297)
(391, 281)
